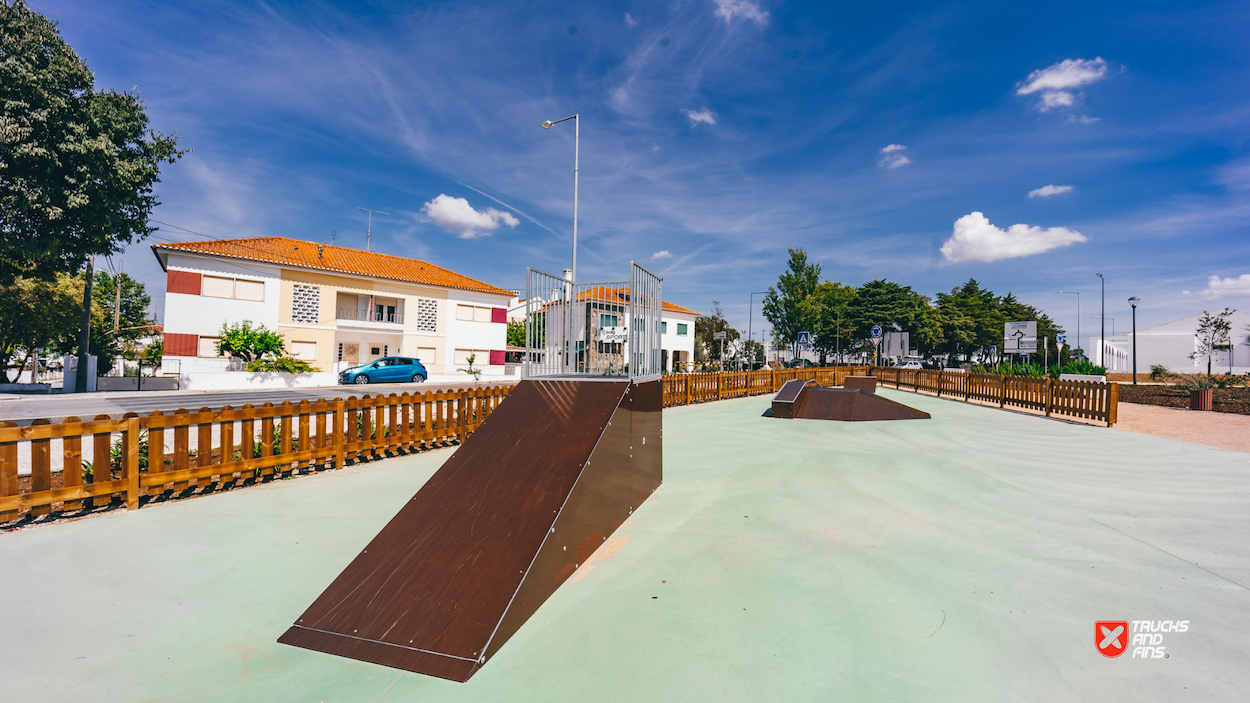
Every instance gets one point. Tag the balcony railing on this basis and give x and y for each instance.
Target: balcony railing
(367, 316)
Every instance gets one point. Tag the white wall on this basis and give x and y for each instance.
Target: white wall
(670, 341)
(1170, 345)
(464, 334)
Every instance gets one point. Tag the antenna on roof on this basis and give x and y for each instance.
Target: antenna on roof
(369, 236)
(331, 237)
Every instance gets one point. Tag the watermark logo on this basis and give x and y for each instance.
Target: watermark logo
(1144, 637)
(1111, 637)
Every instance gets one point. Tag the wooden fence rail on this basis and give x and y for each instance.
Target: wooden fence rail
(129, 457)
(1089, 400)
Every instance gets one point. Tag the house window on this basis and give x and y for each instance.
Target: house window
(303, 350)
(663, 328)
(427, 315)
(681, 330)
(481, 357)
(208, 346)
(607, 320)
(473, 313)
(306, 304)
(236, 288)
(427, 355)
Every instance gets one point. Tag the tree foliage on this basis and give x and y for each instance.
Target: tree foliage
(705, 329)
(134, 323)
(792, 307)
(1214, 331)
(77, 165)
(249, 342)
(35, 314)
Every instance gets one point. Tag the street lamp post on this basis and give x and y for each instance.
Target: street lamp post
(576, 149)
(1077, 293)
(1102, 339)
(1134, 301)
(750, 317)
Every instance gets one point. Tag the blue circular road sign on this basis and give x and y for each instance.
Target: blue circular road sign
(876, 330)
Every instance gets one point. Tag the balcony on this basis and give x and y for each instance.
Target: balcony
(355, 315)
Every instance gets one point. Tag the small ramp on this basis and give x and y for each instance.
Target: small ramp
(856, 402)
(520, 505)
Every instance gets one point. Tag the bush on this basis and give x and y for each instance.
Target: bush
(1082, 367)
(285, 364)
(1158, 372)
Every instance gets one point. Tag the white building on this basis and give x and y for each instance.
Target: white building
(1171, 344)
(335, 307)
(676, 333)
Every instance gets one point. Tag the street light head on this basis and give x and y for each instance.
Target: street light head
(1134, 300)
(1098, 275)
(547, 125)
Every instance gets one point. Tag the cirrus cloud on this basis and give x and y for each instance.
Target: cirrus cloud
(1224, 288)
(892, 158)
(697, 117)
(662, 254)
(457, 216)
(1051, 191)
(728, 9)
(975, 239)
(1055, 83)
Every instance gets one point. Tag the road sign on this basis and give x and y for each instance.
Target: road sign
(876, 330)
(805, 338)
(1020, 337)
(1059, 338)
(876, 341)
(993, 350)
(718, 335)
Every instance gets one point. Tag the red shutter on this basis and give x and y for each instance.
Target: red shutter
(182, 344)
(182, 282)
(499, 315)
(496, 356)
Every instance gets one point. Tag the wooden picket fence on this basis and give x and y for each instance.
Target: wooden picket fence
(129, 458)
(1089, 400)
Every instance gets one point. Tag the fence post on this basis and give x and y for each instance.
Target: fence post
(132, 463)
(1050, 395)
(1002, 391)
(8, 473)
(1113, 404)
(720, 378)
(340, 411)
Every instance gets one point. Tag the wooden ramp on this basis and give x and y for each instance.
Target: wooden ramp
(520, 505)
(856, 402)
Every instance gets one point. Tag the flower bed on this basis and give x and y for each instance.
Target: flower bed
(1227, 400)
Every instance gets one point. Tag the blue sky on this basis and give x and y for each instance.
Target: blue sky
(715, 135)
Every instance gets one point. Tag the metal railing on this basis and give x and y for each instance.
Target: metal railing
(601, 328)
(366, 316)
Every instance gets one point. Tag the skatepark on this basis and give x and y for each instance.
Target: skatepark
(963, 557)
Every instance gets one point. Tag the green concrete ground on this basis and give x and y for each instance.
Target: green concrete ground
(964, 558)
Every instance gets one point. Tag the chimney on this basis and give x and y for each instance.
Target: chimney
(320, 248)
(568, 274)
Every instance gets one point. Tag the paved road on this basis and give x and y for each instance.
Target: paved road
(24, 408)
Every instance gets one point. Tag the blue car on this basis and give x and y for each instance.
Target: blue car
(390, 369)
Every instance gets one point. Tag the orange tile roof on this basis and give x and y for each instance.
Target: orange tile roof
(618, 295)
(325, 257)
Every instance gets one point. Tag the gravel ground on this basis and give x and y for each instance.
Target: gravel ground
(1226, 400)
(1214, 429)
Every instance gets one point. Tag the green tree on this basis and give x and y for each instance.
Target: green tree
(705, 329)
(1214, 331)
(792, 307)
(889, 304)
(35, 314)
(516, 333)
(77, 165)
(249, 342)
(834, 329)
(115, 330)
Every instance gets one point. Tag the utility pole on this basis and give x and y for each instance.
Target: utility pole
(84, 330)
(117, 304)
(369, 234)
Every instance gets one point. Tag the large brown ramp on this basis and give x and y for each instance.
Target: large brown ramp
(519, 506)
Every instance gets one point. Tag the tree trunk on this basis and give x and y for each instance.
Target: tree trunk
(84, 331)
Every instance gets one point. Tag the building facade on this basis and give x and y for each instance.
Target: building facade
(335, 307)
(1171, 345)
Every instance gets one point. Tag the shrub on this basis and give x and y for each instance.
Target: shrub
(284, 364)
(1082, 367)
(1158, 372)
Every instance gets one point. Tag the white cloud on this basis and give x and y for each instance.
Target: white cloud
(975, 239)
(1050, 191)
(1225, 288)
(457, 216)
(704, 116)
(630, 20)
(728, 9)
(1055, 82)
(892, 158)
(662, 254)
(1083, 119)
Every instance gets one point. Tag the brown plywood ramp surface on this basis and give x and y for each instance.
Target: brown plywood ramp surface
(851, 405)
(532, 493)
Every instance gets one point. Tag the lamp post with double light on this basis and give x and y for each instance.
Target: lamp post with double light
(1134, 301)
(576, 149)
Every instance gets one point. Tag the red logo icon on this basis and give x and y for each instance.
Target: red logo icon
(1111, 637)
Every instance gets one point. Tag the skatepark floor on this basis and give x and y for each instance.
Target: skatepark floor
(963, 558)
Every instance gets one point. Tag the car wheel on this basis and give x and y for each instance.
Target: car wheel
(361, 380)
(418, 378)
